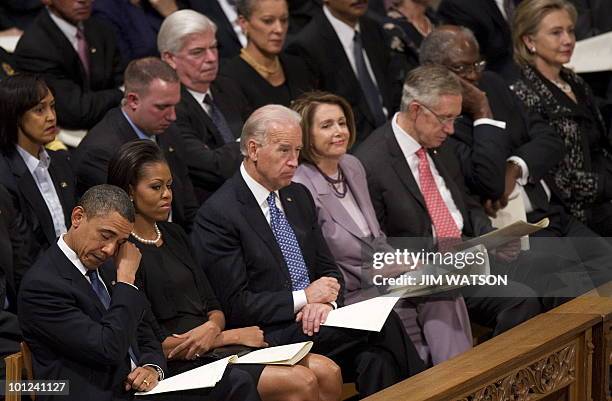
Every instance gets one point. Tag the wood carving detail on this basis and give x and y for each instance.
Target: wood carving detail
(543, 377)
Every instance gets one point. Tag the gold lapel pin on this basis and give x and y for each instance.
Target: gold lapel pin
(64, 184)
(289, 199)
(93, 50)
(170, 149)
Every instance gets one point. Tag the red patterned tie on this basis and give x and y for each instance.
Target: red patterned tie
(447, 231)
(83, 50)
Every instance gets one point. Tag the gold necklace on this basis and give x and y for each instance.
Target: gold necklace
(261, 69)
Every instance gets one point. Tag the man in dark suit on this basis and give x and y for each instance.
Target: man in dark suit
(346, 53)
(152, 91)
(7, 64)
(229, 42)
(515, 163)
(417, 187)
(489, 20)
(260, 244)
(84, 321)
(13, 254)
(212, 108)
(78, 58)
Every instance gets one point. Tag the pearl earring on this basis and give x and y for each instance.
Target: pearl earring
(533, 49)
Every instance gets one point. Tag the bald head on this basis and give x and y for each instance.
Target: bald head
(454, 47)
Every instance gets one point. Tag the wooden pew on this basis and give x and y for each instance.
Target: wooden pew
(547, 358)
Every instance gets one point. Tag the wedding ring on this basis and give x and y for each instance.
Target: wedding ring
(145, 382)
(197, 355)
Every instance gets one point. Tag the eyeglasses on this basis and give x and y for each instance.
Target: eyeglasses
(441, 120)
(461, 69)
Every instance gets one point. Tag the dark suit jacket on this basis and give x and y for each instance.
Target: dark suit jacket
(73, 337)
(7, 64)
(209, 159)
(258, 91)
(324, 55)
(229, 45)
(492, 31)
(483, 156)
(235, 246)
(397, 199)
(91, 160)
(80, 103)
(29, 202)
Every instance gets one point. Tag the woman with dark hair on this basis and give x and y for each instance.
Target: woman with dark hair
(265, 74)
(40, 181)
(544, 39)
(189, 322)
(439, 327)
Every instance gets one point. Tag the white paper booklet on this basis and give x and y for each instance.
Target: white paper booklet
(367, 315)
(592, 54)
(289, 354)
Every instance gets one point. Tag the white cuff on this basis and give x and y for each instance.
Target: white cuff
(489, 121)
(334, 304)
(299, 300)
(524, 169)
(160, 371)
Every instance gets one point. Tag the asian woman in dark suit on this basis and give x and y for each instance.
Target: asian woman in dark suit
(188, 316)
(265, 74)
(439, 327)
(40, 181)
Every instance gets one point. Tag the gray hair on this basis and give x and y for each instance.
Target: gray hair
(425, 84)
(257, 125)
(102, 200)
(441, 44)
(180, 24)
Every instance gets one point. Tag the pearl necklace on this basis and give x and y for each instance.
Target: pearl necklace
(564, 86)
(149, 241)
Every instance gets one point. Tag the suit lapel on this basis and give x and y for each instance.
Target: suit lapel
(67, 51)
(438, 158)
(372, 49)
(27, 186)
(63, 191)
(253, 215)
(400, 165)
(362, 197)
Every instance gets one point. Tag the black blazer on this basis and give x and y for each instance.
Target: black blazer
(91, 158)
(397, 199)
(235, 246)
(319, 46)
(229, 45)
(258, 91)
(152, 277)
(491, 29)
(73, 337)
(80, 103)
(11, 244)
(28, 200)
(209, 159)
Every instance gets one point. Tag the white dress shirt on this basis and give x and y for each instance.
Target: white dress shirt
(39, 169)
(232, 16)
(409, 148)
(199, 97)
(69, 30)
(346, 35)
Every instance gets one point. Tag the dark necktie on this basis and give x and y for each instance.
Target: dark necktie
(219, 120)
(288, 243)
(83, 50)
(368, 86)
(105, 298)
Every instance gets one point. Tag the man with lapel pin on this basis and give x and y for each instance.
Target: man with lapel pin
(78, 58)
(212, 108)
(152, 90)
(258, 240)
(418, 191)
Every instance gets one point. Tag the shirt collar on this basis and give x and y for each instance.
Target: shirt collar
(406, 142)
(345, 32)
(31, 162)
(199, 96)
(66, 27)
(137, 130)
(71, 255)
(259, 191)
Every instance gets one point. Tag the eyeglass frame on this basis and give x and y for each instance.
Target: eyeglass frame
(442, 120)
(477, 66)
